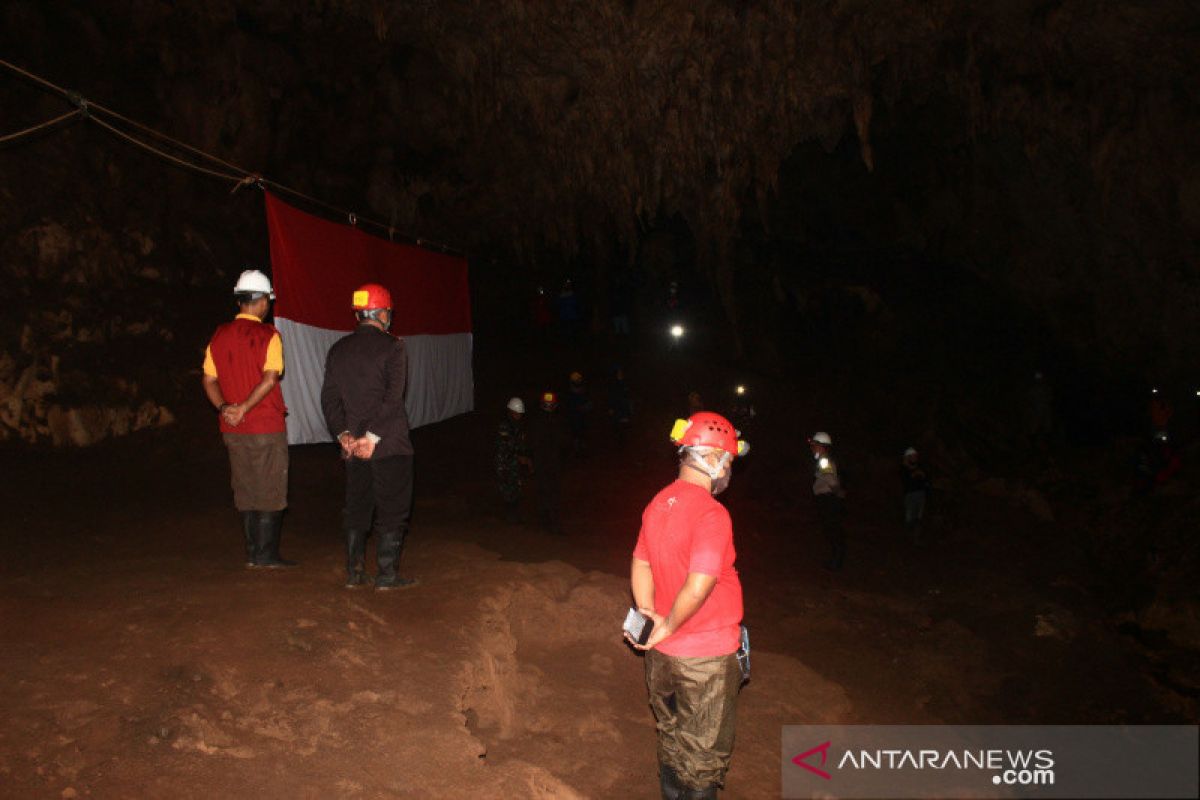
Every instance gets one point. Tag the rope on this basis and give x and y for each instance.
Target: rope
(165, 138)
(40, 81)
(12, 137)
(139, 143)
(244, 177)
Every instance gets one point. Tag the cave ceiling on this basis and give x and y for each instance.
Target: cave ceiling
(556, 127)
(554, 123)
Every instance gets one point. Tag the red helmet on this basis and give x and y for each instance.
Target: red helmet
(549, 400)
(706, 429)
(371, 296)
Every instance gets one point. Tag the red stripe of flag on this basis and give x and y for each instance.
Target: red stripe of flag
(316, 265)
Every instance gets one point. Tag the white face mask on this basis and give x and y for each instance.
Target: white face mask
(719, 484)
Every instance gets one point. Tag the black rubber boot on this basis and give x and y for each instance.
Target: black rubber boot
(356, 557)
(387, 550)
(707, 793)
(270, 526)
(249, 527)
(669, 783)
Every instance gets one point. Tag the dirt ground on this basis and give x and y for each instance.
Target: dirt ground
(140, 659)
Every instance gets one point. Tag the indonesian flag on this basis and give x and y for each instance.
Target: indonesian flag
(316, 266)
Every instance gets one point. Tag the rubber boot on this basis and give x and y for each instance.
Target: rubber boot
(668, 783)
(707, 793)
(356, 557)
(387, 550)
(249, 526)
(270, 526)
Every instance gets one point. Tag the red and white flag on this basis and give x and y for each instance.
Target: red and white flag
(316, 265)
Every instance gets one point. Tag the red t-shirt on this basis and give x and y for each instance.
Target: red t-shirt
(685, 530)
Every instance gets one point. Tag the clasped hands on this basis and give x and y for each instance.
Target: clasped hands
(233, 413)
(362, 447)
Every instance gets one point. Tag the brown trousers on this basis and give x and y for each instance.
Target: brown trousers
(258, 469)
(695, 703)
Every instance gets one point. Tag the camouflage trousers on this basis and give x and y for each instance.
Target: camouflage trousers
(509, 481)
(695, 704)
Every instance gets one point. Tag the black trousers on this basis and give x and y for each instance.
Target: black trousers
(381, 489)
(829, 516)
(549, 497)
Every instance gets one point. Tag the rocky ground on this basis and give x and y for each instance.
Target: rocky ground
(141, 658)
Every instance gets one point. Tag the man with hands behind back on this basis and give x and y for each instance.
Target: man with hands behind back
(683, 578)
(366, 374)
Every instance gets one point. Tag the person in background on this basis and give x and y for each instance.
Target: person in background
(673, 304)
(1158, 463)
(620, 406)
(916, 491)
(362, 398)
(683, 577)
(512, 454)
(548, 440)
(1160, 411)
(242, 367)
(579, 407)
(570, 316)
(829, 497)
(742, 411)
(539, 312)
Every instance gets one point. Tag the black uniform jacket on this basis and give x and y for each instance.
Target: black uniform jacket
(365, 377)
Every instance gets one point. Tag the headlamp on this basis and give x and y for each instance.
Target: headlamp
(823, 463)
(677, 330)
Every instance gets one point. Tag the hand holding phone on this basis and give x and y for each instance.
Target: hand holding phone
(638, 626)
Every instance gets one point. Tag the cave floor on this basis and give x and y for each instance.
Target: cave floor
(141, 659)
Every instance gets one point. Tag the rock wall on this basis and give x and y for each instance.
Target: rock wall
(87, 317)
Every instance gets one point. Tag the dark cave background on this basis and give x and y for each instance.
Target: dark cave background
(1038, 157)
(912, 205)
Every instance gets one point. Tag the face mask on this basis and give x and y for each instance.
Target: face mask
(718, 484)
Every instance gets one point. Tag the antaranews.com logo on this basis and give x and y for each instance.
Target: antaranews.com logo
(1008, 767)
(983, 761)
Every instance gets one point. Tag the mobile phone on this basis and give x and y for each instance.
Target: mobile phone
(638, 626)
(743, 653)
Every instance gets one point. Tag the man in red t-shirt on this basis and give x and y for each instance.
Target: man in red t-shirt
(242, 366)
(683, 578)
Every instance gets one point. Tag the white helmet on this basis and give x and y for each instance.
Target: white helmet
(255, 283)
(821, 437)
(912, 451)
(516, 405)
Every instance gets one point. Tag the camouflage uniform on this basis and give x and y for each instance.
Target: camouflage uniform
(511, 447)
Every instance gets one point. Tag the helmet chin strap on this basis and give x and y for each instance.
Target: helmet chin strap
(373, 314)
(697, 462)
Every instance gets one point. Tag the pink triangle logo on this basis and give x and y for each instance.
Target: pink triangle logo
(823, 749)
